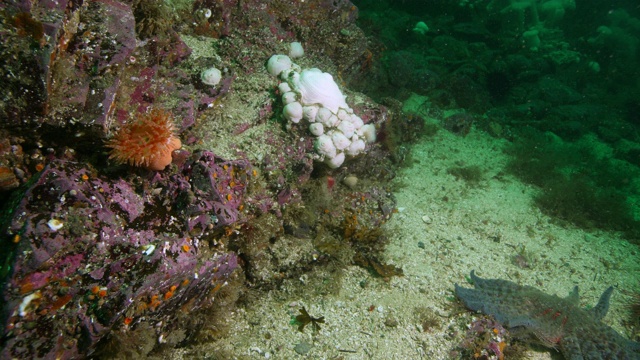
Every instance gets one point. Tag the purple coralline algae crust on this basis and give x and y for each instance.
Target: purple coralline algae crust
(70, 286)
(219, 187)
(105, 47)
(485, 337)
(553, 321)
(128, 200)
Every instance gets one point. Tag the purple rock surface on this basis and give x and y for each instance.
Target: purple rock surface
(91, 255)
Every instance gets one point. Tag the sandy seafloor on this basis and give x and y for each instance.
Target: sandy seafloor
(473, 228)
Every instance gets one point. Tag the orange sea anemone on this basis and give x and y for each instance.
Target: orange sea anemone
(147, 141)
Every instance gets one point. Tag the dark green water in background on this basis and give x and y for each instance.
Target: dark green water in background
(557, 78)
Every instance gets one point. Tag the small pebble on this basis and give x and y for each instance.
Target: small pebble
(426, 219)
(303, 348)
(351, 181)
(391, 322)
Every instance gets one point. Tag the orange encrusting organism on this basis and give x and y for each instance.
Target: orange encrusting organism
(148, 141)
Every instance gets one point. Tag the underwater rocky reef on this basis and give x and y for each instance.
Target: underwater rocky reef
(164, 163)
(146, 170)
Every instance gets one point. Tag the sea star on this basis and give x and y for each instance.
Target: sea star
(555, 322)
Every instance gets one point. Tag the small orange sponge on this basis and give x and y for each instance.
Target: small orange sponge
(148, 141)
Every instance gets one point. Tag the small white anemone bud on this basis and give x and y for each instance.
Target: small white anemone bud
(356, 121)
(316, 129)
(293, 112)
(347, 128)
(211, 76)
(277, 64)
(335, 161)
(368, 132)
(295, 50)
(340, 141)
(332, 121)
(309, 113)
(291, 76)
(323, 115)
(284, 87)
(356, 147)
(324, 146)
(288, 97)
(342, 114)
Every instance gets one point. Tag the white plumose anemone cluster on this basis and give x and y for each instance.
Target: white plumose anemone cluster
(314, 96)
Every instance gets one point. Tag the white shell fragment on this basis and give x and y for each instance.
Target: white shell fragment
(55, 224)
(148, 249)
